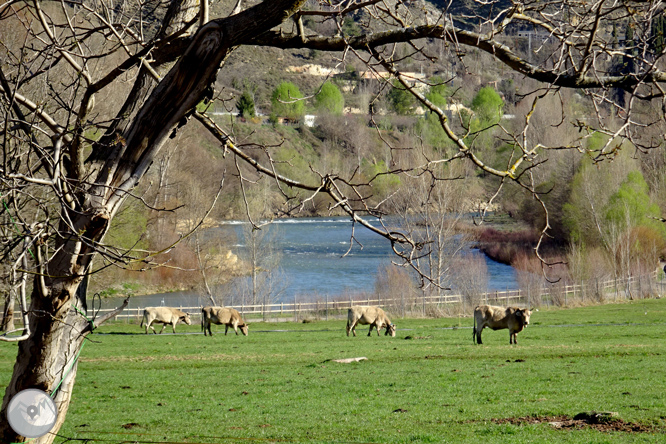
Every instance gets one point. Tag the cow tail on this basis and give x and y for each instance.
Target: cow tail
(474, 331)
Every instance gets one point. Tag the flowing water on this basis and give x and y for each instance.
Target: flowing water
(316, 262)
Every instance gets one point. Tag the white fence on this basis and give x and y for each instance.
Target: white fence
(555, 294)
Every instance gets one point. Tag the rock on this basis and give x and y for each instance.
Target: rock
(350, 360)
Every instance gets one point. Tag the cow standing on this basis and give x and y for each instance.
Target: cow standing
(497, 318)
(365, 315)
(222, 315)
(164, 316)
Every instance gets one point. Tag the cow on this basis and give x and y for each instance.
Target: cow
(365, 315)
(497, 318)
(164, 316)
(222, 315)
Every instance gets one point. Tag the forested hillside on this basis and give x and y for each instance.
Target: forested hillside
(594, 209)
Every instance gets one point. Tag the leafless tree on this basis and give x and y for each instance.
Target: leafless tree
(90, 92)
(260, 254)
(430, 206)
(470, 280)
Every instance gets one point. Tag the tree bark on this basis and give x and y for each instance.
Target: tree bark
(8, 312)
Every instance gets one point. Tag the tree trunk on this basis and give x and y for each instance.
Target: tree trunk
(8, 312)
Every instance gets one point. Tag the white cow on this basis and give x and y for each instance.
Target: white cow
(164, 316)
(497, 318)
(222, 315)
(365, 315)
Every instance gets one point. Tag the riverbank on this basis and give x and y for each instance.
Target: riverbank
(310, 265)
(501, 237)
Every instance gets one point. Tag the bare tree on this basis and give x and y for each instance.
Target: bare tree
(470, 280)
(90, 92)
(431, 204)
(263, 259)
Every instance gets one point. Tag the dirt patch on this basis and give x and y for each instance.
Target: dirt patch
(567, 422)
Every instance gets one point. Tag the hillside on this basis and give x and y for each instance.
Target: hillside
(353, 145)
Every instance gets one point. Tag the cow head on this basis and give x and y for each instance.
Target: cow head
(390, 330)
(243, 328)
(524, 316)
(186, 319)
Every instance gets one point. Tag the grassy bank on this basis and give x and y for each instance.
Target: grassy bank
(428, 384)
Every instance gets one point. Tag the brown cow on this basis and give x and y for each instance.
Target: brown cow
(365, 315)
(222, 315)
(497, 318)
(164, 316)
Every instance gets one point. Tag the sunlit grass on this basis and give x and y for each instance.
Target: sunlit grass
(436, 387)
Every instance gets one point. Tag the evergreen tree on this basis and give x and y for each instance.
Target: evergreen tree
(245, 105)
(401, 100)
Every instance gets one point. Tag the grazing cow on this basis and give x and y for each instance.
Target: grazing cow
(222, 315)
(164, 316)
(497, 318)
(365, 315)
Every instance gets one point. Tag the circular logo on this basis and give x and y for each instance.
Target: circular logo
(32, 413)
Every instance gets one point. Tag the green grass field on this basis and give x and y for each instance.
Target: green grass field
(428, 384)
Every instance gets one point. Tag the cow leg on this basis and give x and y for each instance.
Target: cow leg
(226, 329)
(173, 327)
(478, 336)
(162, 329)
(370, 331)
(353, 328)
(378, 327)
(210, 332)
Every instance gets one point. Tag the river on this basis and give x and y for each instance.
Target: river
(312, 265)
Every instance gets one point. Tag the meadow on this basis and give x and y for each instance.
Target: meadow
(429, 384)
